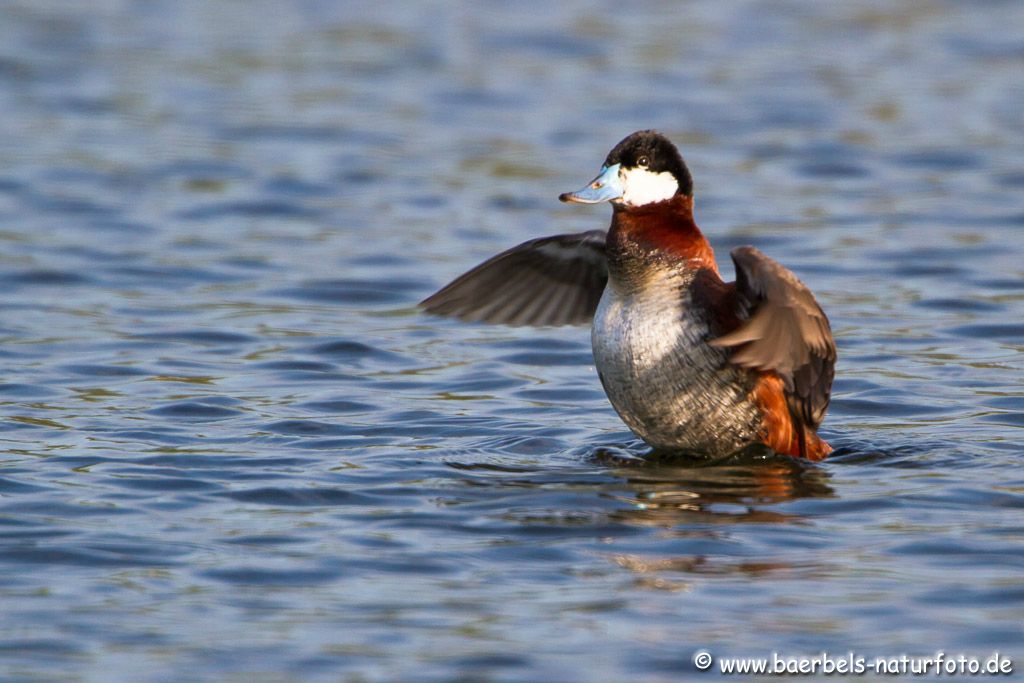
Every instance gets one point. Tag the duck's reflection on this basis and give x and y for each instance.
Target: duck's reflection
(694, 502)
(667, 489)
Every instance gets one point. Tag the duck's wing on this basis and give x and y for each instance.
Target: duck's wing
(783, 330)
(548, 281)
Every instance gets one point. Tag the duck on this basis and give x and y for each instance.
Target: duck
(692, 364)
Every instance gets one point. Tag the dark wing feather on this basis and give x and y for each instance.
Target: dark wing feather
(785, 331)
(548, 281)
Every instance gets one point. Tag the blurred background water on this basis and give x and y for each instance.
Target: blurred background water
(233, 449)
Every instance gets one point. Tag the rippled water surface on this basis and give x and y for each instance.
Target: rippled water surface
(233, 449)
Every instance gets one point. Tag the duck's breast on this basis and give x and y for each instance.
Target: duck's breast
(667, 384)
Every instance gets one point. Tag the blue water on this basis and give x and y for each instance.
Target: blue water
(234, 450)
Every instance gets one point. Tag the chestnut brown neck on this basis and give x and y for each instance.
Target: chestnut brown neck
(664, 229)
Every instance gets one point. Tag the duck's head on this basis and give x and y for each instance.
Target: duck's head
(642, 169)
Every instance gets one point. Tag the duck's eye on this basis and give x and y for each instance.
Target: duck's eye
(643, 162)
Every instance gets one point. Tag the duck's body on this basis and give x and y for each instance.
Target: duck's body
(668, 385)
(650, 335)
(688, 361)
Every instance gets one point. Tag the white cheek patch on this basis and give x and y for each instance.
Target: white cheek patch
(640, 186)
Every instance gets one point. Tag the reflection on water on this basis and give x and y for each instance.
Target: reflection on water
(667, 495)
(232, 447)
(694, 502)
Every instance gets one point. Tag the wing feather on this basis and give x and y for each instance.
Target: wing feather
(784, 331)
(548, 281)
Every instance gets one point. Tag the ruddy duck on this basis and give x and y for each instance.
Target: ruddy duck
(691, 363)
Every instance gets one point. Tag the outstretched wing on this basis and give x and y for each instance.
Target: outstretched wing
(784, 331)
(548, 281)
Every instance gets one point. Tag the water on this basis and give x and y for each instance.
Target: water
(232, 448)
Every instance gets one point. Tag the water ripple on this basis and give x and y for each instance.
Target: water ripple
(194, 410)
